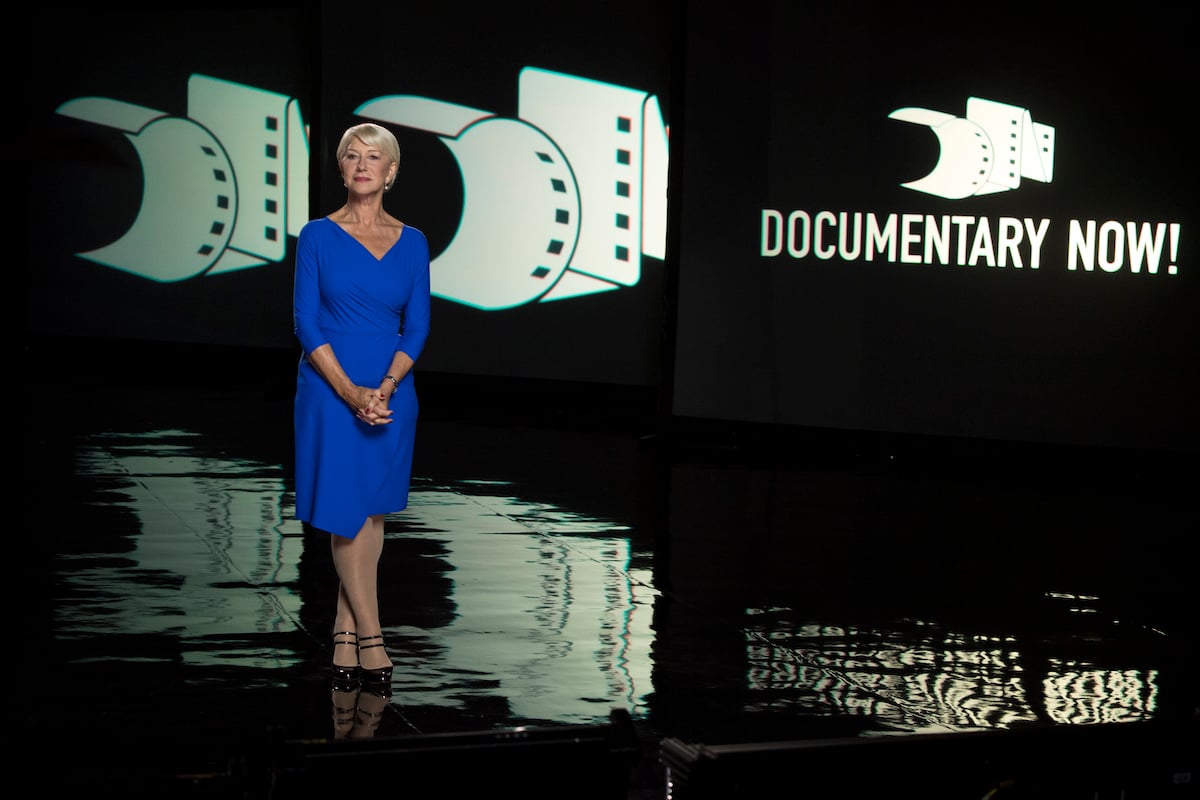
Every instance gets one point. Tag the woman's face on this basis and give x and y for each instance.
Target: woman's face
(366, 169)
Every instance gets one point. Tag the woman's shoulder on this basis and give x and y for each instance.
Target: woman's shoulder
(414, 242)
(414, 232)
(315, 227)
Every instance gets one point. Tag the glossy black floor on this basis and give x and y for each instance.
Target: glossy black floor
(587, 599)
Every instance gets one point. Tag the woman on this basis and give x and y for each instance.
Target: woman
(361, 313)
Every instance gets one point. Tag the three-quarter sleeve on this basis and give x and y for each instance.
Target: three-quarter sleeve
(306, 292)
(415, 328)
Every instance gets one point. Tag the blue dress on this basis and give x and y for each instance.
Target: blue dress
(366, 309)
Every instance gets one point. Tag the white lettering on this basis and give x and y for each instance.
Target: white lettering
(880, 238)
(820, 250)
(937, 240)
(1144, 248)
(982, 247)
(961, 223)
(908, 238)
(772, 222)
(793, 218)
(850, 249)
(1036, 237)
(1112, 246)
(967, 241)
(1010, 236)
(1081, 245)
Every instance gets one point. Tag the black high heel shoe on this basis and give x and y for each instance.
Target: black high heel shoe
(345, 676)
(377, 681)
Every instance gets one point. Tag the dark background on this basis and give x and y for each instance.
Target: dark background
(774, 105)
(86, 179)
(791, 112)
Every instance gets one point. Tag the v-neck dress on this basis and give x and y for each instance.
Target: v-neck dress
(366, 309)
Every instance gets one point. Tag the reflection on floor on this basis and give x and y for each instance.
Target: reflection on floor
(576, 599)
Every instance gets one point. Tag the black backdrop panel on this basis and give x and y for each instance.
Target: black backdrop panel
(179, 151)
(465, 175)
(1039, 281)
(168, 151)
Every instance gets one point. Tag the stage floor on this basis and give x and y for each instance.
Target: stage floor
(564, 574)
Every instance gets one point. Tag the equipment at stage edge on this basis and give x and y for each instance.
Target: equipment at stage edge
(587, 762)
(1128, 761)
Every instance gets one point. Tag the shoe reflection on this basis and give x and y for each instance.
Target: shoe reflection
(369, 714)
(357, 710)
(344, 703)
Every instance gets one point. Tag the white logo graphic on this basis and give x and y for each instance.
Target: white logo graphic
(559, 203)
(989, 151)
(222, 189)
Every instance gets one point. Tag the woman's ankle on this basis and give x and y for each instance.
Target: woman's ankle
(372, 652)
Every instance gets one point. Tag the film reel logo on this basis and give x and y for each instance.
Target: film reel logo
(561, 202)
(990, 150)
(223, 188)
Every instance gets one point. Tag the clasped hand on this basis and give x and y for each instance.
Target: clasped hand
(371, 407)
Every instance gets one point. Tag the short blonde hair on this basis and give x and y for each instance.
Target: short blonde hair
(372, 135)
